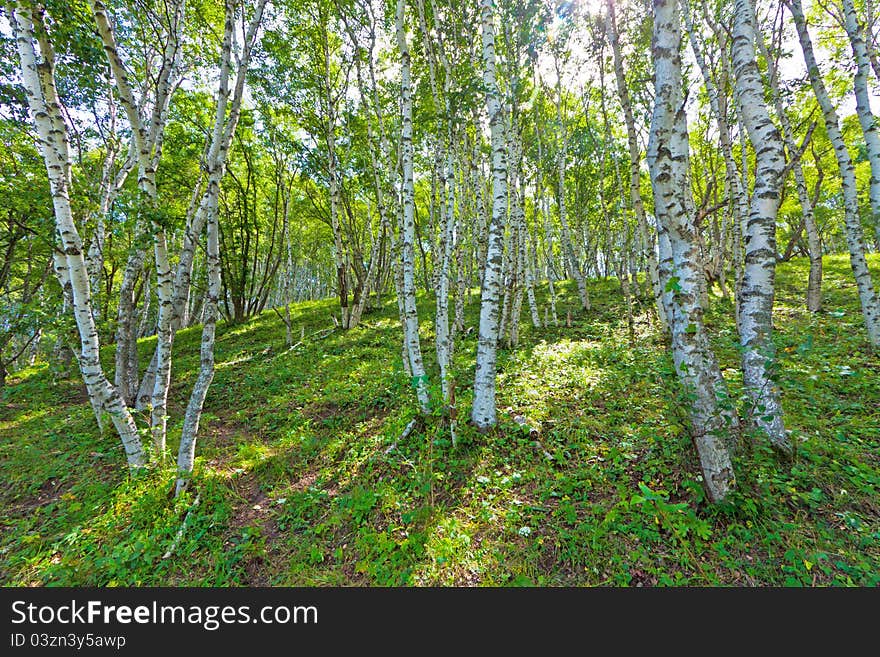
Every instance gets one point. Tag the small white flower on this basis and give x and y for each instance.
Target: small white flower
(525, 531)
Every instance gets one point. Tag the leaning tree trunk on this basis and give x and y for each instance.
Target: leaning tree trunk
(854, 235)
(483, 414)
(759, 271)
(668, 163)
(411, 326)
(734, 186)
(221, 139)
(187, 451)
(148, 137)
(180, 298)
(45, 110)
(863, 107)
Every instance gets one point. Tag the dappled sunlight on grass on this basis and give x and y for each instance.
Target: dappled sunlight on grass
(304, 478)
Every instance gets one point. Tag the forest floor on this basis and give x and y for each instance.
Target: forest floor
(298, 484)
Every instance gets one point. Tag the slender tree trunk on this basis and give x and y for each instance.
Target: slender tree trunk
(814, 246)
(483, 414)
(544, 206)
(195, 224)
(148, 137)
(414, 351)
(571, 258)
(187, 450)
(125, 376)
(221, 139)
(854, 235)
(867, 120)
(635, 159)
(335, 200)
(756, 304)
(668, 163)
(45, 110)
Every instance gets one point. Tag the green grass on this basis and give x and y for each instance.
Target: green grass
(297, 486)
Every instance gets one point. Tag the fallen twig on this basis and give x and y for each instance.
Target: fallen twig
(324, 333)
(179, 535)
(406, 432)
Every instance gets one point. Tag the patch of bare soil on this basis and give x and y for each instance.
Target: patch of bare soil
(322, 412)
(254, 511)
(50, 491)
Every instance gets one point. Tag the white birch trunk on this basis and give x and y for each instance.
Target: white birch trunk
(668, 163)
(571, 258)
(544, 206)
(759, 272)
(867, 120)
(645, 238)
(854, 235)
(411, 326)
(148, 140)
(814, 246)
(45, 110)
(335, 200)
(483, 414)
(224, 130)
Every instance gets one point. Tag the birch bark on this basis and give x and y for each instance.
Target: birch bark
(646, 240)
(411, 328)
(867, 120)
(223, 132)
(854, 235)
(679, 254)
(814, 246)
(483, 413)
(759, 270)
(45, 110)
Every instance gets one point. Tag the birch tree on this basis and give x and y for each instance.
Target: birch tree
(668, 153)
(635, 160)
(814, 282)
(407, 264)
(227, 114)
(483, 414)
(867, 120)
(148, 136)
(759, 271)
(38, 78)
(854, 234)
(571, 258)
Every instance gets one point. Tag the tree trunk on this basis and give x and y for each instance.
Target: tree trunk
(571, 258)
(335, 200)
(863, 107)
(854, 235)
(483, 414)
(411, 328)
(223, 132)
(45, 110)
(759, 272)
(814, 246)
(635, 159)
(668, 163)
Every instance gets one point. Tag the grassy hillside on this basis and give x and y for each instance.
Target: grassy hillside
(297, 485)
